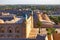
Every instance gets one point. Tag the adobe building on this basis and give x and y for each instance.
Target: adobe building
(43, 17)
(14, 27)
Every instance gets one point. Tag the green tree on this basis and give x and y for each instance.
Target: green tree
(59, 18)
(55, 19)
(39, 24)
(50, 30)
(33, 7)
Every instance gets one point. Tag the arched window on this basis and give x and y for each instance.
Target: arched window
(10, 29)
(17, 30)
(2, 29)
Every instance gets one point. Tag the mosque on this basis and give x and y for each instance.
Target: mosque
(12, 26)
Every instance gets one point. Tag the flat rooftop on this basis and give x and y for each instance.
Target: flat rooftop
(10, 18)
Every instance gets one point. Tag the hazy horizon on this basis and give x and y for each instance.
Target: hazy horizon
(36, 2)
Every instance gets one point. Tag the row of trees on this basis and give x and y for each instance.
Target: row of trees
(55, 19)
(33, 7)
(49, 30)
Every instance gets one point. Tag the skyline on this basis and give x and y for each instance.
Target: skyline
(40, 2)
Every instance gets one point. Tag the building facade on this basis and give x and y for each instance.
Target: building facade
(16, 27)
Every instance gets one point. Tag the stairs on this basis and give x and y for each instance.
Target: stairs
(33, 33)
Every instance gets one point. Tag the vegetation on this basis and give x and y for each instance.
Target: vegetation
(39, 24)
(59, 18)
(56, 19)
(33, 7)
(50, 30)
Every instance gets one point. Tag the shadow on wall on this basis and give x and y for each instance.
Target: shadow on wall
(15, 39)
(40, 37)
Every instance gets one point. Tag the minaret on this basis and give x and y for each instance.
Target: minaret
(32, 19)
(26, 25)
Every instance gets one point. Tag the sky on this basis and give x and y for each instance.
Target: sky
(53, 2)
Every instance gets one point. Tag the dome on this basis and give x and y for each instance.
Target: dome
(1, 21)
